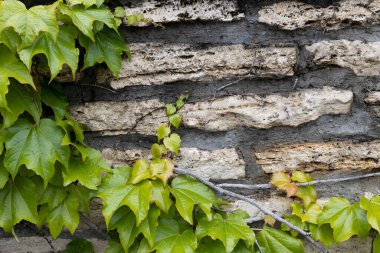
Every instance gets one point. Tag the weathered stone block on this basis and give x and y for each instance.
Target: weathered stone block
(291, 15)
(178, 11)
(362, 58)
(343, 155)
(220, 114)
(373, 98)
(217, 164)
(121, 117)
(157, 63)
(276, 204)
(266, 112)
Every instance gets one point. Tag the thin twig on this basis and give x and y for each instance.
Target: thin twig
(258, 246)
(97, 86)
(254, 203)
(142, 117)
(322, 181)
(231, 83)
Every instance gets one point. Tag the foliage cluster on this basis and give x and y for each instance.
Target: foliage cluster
(335, 221)
(48, 175)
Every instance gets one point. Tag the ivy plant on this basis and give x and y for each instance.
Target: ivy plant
(48, 175)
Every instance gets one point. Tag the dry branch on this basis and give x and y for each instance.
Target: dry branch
(315, 182)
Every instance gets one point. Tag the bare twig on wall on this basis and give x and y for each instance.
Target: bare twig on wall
(219, 189)
(315, 182)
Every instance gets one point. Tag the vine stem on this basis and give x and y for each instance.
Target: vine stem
(322, 181)
(219, 189)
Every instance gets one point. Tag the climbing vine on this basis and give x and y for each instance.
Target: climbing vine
(48, 175)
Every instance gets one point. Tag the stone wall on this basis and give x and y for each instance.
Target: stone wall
(274, 85)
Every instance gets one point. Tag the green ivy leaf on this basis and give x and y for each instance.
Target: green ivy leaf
(189, 192)
(136, 197)
(11, 39)
(20, 100)
(86, 3)
(118, 177)
(162, 169)
(228, 230)
(372, 207)
(322, 233)
(55, 99)
(18, 201)
(301, 177)
(53, 196)
(4, 175)
(108, 47)
(65, 214)
(276, 241)
(163, 131)
(140, 171)
(158, 150)
(70, 126)
(170, 109)
(295, 220)
(169, 239)
(376, 244)
(87, 172)
(135, 19)
(181, 101)
(345, 219)
(10, 66)
(207, 245)
(173, 142)
(119, 12)
(37, 147)
(58, 51)
(28, 23)
(79, 245)
(307, 194)
(161, 196)
(310, 214)
(175, 120)
(84, 18)
(148, 227)
(124, 221)
(114, 247)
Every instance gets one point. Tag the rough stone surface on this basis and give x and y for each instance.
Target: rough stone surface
(291, 15)
(157, 63)
(362, 58)
(39, 244)
(344, 155)
(177, 11)
(276, 204)
(217, 115)
(373, 98)
(266, 112)
(353, 245)
(121, 117)
(218, 164)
